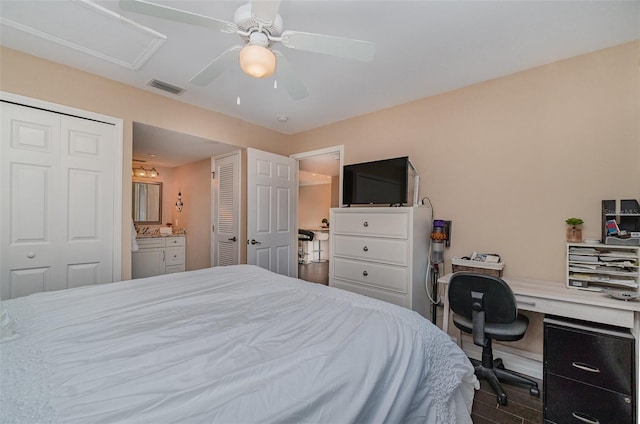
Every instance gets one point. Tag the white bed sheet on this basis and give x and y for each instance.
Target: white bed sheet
(231, 344)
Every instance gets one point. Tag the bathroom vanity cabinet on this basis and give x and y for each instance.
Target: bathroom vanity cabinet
(158, 255)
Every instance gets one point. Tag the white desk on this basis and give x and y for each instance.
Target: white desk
(556, 299)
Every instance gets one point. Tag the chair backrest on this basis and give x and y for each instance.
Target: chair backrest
(305, 235)
(498, 301)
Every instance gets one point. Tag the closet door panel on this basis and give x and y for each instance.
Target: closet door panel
(84, 202)
(30, 212)
(87, 171)
(27, 281)
(29, 152)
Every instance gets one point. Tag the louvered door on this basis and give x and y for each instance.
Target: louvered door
(227, 210)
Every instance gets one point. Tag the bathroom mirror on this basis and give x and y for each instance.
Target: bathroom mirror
(147, 203)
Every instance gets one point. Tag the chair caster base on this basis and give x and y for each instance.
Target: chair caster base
(502, 399)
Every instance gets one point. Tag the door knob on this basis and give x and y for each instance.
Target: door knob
(31, 255)
(254, 242)
(232, 238)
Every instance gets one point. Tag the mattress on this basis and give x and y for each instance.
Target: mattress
(234, 344)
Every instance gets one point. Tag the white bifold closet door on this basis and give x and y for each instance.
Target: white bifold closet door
(57, 197)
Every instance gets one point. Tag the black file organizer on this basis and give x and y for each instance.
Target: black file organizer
(627, 217)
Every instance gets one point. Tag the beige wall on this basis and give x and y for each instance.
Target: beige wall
(314, 202)
(41, 79)
(510, 159)
(194, 182)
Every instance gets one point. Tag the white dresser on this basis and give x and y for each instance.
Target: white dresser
(381, 252)
(158, 255)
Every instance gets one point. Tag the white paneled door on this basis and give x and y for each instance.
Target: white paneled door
(57, 201)
(272, 199)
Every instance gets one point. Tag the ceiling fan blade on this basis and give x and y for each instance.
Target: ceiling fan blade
(177, 15)
(329, 44)
(265, 11)
(217, 67)
(289, 79)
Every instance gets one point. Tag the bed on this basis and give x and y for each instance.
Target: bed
(234, 344)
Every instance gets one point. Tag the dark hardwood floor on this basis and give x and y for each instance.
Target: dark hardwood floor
(522, 408)
(315, 272)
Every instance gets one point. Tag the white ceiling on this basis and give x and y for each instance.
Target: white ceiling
(169, 149)
(422, 48)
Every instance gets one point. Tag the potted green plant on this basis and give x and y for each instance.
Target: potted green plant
(574, 233)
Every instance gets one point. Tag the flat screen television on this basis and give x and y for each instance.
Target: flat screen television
(376, 183)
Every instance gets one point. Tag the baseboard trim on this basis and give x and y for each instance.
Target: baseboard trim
(517, 360)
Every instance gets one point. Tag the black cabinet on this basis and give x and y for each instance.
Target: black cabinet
(588, 373)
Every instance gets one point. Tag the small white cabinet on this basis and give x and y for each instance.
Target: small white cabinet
(158, 255)
(381, 252)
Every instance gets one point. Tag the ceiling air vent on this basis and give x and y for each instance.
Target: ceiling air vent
(164, 86)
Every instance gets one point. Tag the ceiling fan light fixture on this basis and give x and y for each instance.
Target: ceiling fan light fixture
(257, 61)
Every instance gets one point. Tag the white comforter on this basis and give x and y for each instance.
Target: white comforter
(225, 345)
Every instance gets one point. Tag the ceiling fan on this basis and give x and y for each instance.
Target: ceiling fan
(260, 26)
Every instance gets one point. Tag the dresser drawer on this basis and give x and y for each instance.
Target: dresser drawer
(596, 358)
(174, 256)
(376, 293)
(372, 274)
(150, 242)
(174, 241)
(392, 251)
(371, 224)
(569, 402)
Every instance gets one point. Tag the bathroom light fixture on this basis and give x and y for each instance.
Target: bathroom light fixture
(143, 172)
(256, 60)
(179, 204)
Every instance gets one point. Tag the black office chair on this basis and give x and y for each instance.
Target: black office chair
(485, 307)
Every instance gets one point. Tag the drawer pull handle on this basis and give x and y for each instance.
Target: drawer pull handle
(585, 367)
(585, 418)
(366, 249)
(365, 273)
(527, 302)
(366, 224)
